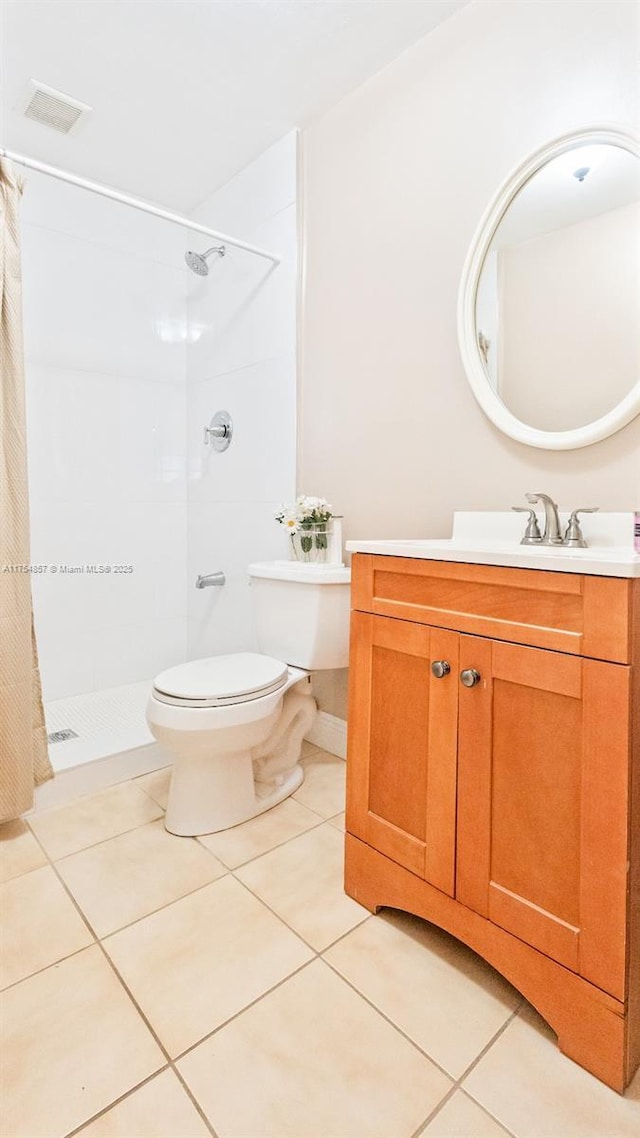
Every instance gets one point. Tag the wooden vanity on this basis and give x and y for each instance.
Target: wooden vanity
(508, 811)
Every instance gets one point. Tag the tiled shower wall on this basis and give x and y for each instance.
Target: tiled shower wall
(128, 355)
(242, 321)
(105, 343)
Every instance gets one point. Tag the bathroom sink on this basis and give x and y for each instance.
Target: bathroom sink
(493, 538)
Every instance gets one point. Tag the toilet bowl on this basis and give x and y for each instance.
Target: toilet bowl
(235, 723)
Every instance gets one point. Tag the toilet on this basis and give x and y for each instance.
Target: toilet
(235, 723)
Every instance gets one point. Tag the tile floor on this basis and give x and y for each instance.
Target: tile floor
(163, 987)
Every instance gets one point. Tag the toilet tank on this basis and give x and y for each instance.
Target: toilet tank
(301, 613)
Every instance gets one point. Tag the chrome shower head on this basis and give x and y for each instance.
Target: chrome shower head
(197, 262)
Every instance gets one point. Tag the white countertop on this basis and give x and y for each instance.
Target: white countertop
(493, 538)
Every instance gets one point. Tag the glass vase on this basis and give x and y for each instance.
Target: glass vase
(311, 542)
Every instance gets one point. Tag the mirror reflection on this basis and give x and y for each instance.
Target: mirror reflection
(558, 299)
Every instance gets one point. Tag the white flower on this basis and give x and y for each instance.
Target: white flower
(307, 509)
(288, 517)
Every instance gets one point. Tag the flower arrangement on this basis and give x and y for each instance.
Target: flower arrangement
(307, 524)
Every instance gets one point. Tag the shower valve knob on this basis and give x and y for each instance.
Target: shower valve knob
(220, 431)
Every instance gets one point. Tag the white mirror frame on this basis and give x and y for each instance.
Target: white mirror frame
(488, 399)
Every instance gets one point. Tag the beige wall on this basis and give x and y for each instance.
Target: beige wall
(396, 178)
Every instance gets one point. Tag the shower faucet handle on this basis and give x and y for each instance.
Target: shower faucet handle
(220, 431)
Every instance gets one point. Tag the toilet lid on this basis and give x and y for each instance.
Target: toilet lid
(220, 680)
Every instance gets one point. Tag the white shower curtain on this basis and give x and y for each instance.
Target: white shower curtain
(24, 760)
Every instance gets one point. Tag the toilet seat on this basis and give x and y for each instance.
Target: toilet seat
(219, 681)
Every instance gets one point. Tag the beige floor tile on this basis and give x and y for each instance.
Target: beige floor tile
(204, 958)
(308, 749)
(338, 822)
(261, 834)
(156, 785)
(319, 1062)
(462, 1002)
(460, 1117)
(159, 1109)
(130, 876)
(40, 925)
(303, 883)
(73, 1043)
(19, 850)
(68, 829)
(533, 1090)
(323, 789)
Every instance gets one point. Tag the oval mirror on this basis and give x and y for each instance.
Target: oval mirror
(549, 304)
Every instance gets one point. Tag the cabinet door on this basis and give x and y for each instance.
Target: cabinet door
(401, 767)
(542, 810)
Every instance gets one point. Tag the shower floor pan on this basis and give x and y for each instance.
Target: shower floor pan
(108, 742)
(104, 722)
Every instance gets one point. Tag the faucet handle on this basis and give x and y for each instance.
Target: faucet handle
(573, 534)
(532, 533)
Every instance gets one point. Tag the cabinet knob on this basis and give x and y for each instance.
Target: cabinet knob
(470, 677)
(440, 668)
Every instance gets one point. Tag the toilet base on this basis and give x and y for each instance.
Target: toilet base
(191, 811)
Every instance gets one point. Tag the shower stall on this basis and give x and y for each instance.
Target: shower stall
(128, 356)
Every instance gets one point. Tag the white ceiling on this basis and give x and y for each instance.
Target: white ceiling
(554, 199)
(187, 92)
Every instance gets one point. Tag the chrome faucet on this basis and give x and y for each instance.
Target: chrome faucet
(551, 535)
(210, 579)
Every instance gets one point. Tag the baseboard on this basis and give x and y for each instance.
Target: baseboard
(329, 733)
(89, 778)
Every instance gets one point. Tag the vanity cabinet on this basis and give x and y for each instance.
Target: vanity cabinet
(506, 811)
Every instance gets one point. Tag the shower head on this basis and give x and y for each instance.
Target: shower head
(197, 262)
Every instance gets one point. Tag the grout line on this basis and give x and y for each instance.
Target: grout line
(113, 838)
(191, 383)
(51, 964)
(110, 962)
(192, 1097)
(458, 1082)
(101, 842)
(488, 1113)
(98, 944)
(152, 912)
(170, 1063)
(391, 1023)
(246, 1008)
(228, 871)
(317, 954)
(256, 857)
(436, 1110)
(75, 904)
(161, 908)
(278, 916)
(343, 936)
(489, 1045)
(32, 361)
(116, 1102)
(120, 251)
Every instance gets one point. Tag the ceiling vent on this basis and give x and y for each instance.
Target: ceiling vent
(53, 108)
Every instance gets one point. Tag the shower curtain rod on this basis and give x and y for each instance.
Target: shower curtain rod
(135, 203)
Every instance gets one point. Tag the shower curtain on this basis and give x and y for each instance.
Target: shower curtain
(24, 760)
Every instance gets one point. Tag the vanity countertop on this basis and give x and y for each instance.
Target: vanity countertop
(493, 538)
